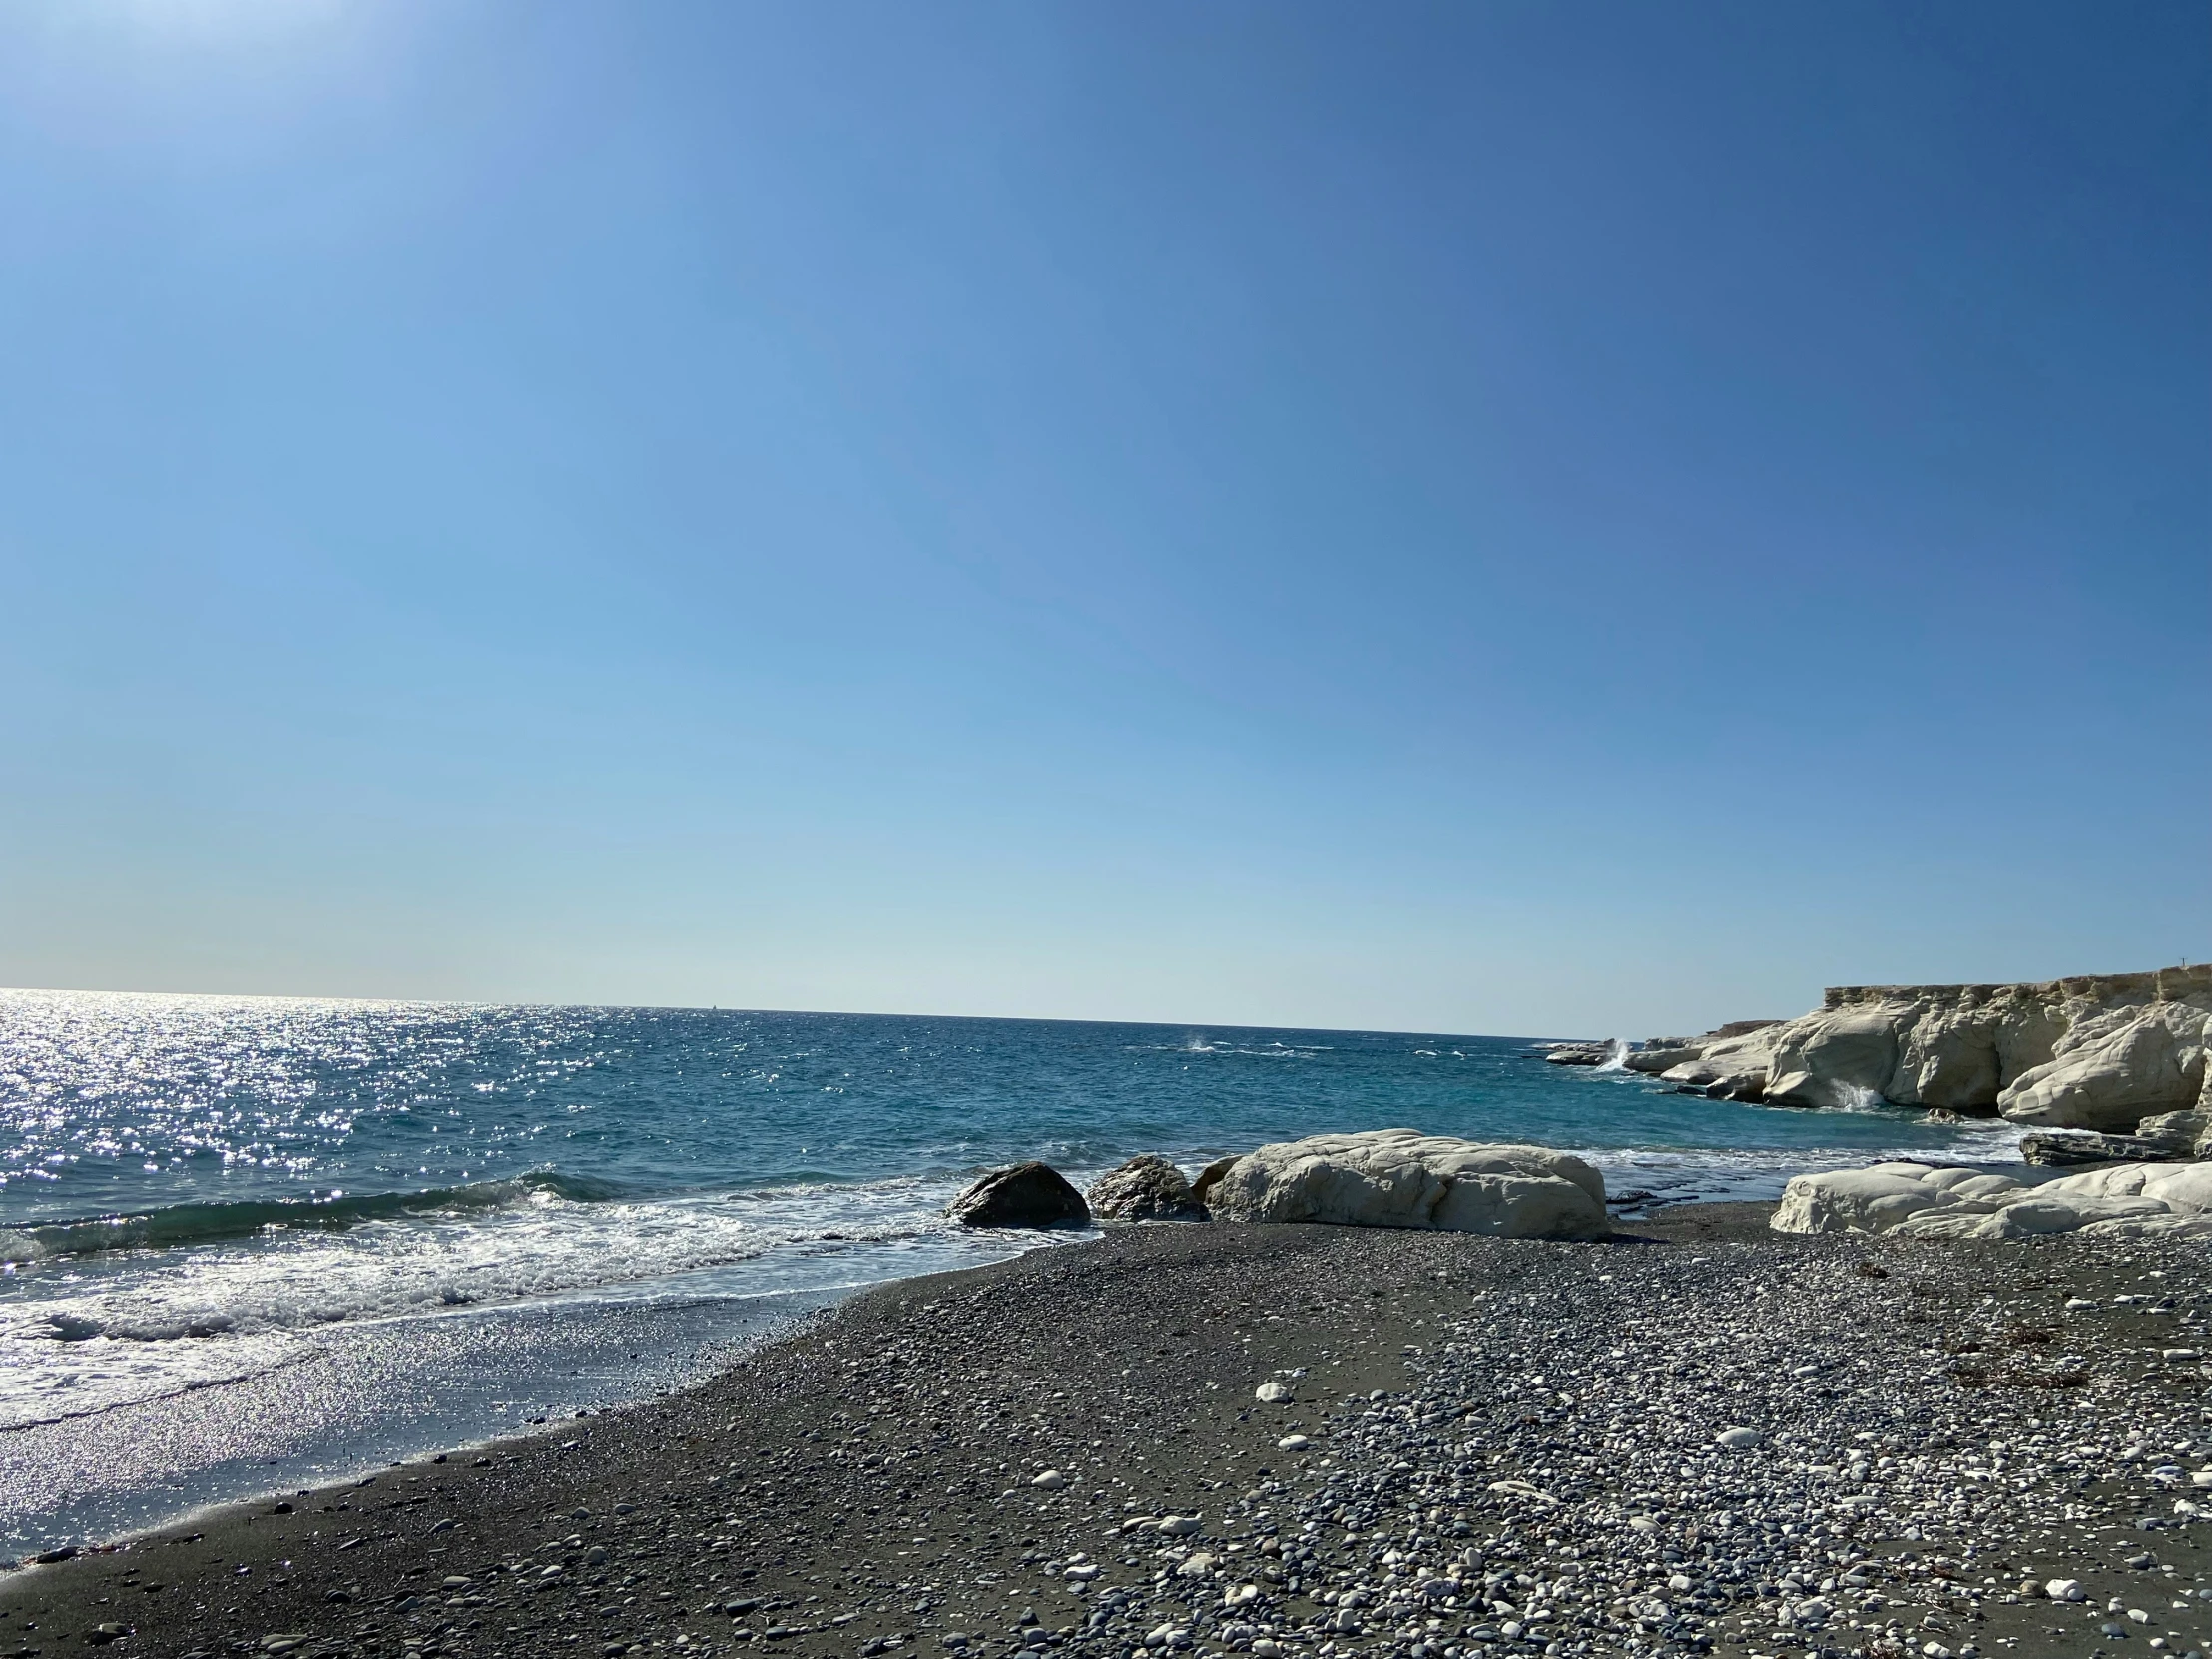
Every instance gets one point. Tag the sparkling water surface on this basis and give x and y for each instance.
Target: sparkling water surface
(186, 1184)
(197, 1191)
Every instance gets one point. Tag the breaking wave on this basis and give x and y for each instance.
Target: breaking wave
(191, 1224)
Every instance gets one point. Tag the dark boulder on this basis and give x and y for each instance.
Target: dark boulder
(1146, 1188)
(1024, 1195)
(1212, 1173)
(2086, 1146)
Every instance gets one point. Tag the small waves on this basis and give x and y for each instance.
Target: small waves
(237, 1181)
(94, 1327)
(191, 1224)
(1640, 1178)
(1199, 1044)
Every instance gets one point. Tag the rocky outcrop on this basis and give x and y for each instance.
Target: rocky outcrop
(2186, 1134)
(1021, 1195)
(1401, 1178)
(2086, 1146)
(1920, 1201)
(2091, 1053)
(1658, 1055)
(1579, 1054)
(1146, 1188)
(1734, 1068)
(2114, 1067)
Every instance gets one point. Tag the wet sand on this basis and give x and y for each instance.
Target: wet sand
(1512, 1448)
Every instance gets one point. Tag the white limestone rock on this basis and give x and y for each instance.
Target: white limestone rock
(2114, 1068)
(1843, 1058)
(1884, 1196)
(1663, 1059)
(1736, 1067)
(1917, 1201)
(2091, 1053)
(1403, 1177)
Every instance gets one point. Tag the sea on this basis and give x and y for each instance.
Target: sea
(247, 1244)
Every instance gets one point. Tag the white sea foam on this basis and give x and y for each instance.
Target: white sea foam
(87, 1335)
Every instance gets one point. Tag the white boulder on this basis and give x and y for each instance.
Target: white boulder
(1919, 1201)
(1403, 1177)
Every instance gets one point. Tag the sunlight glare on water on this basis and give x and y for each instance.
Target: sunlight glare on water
(193, 1188)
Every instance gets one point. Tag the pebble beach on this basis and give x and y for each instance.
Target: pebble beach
(1698, 1436)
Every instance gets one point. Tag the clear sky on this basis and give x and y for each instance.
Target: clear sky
(1502, 518)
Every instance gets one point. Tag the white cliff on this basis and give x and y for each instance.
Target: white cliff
(2088, 1053)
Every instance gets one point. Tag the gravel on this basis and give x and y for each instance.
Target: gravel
(1703, 1438)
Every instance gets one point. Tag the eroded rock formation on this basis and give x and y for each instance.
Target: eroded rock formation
(2130, 1200)
(2091, 1053)
(1403, 1177)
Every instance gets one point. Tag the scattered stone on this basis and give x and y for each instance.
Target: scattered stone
(1542, 1465)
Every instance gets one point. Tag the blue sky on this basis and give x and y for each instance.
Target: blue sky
(1486, 517)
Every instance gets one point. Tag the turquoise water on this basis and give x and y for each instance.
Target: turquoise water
(195, 1190)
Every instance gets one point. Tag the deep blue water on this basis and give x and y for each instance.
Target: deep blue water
(192, 1189)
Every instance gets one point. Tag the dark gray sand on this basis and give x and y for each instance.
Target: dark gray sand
(360, 1399)
(1508, 1449)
